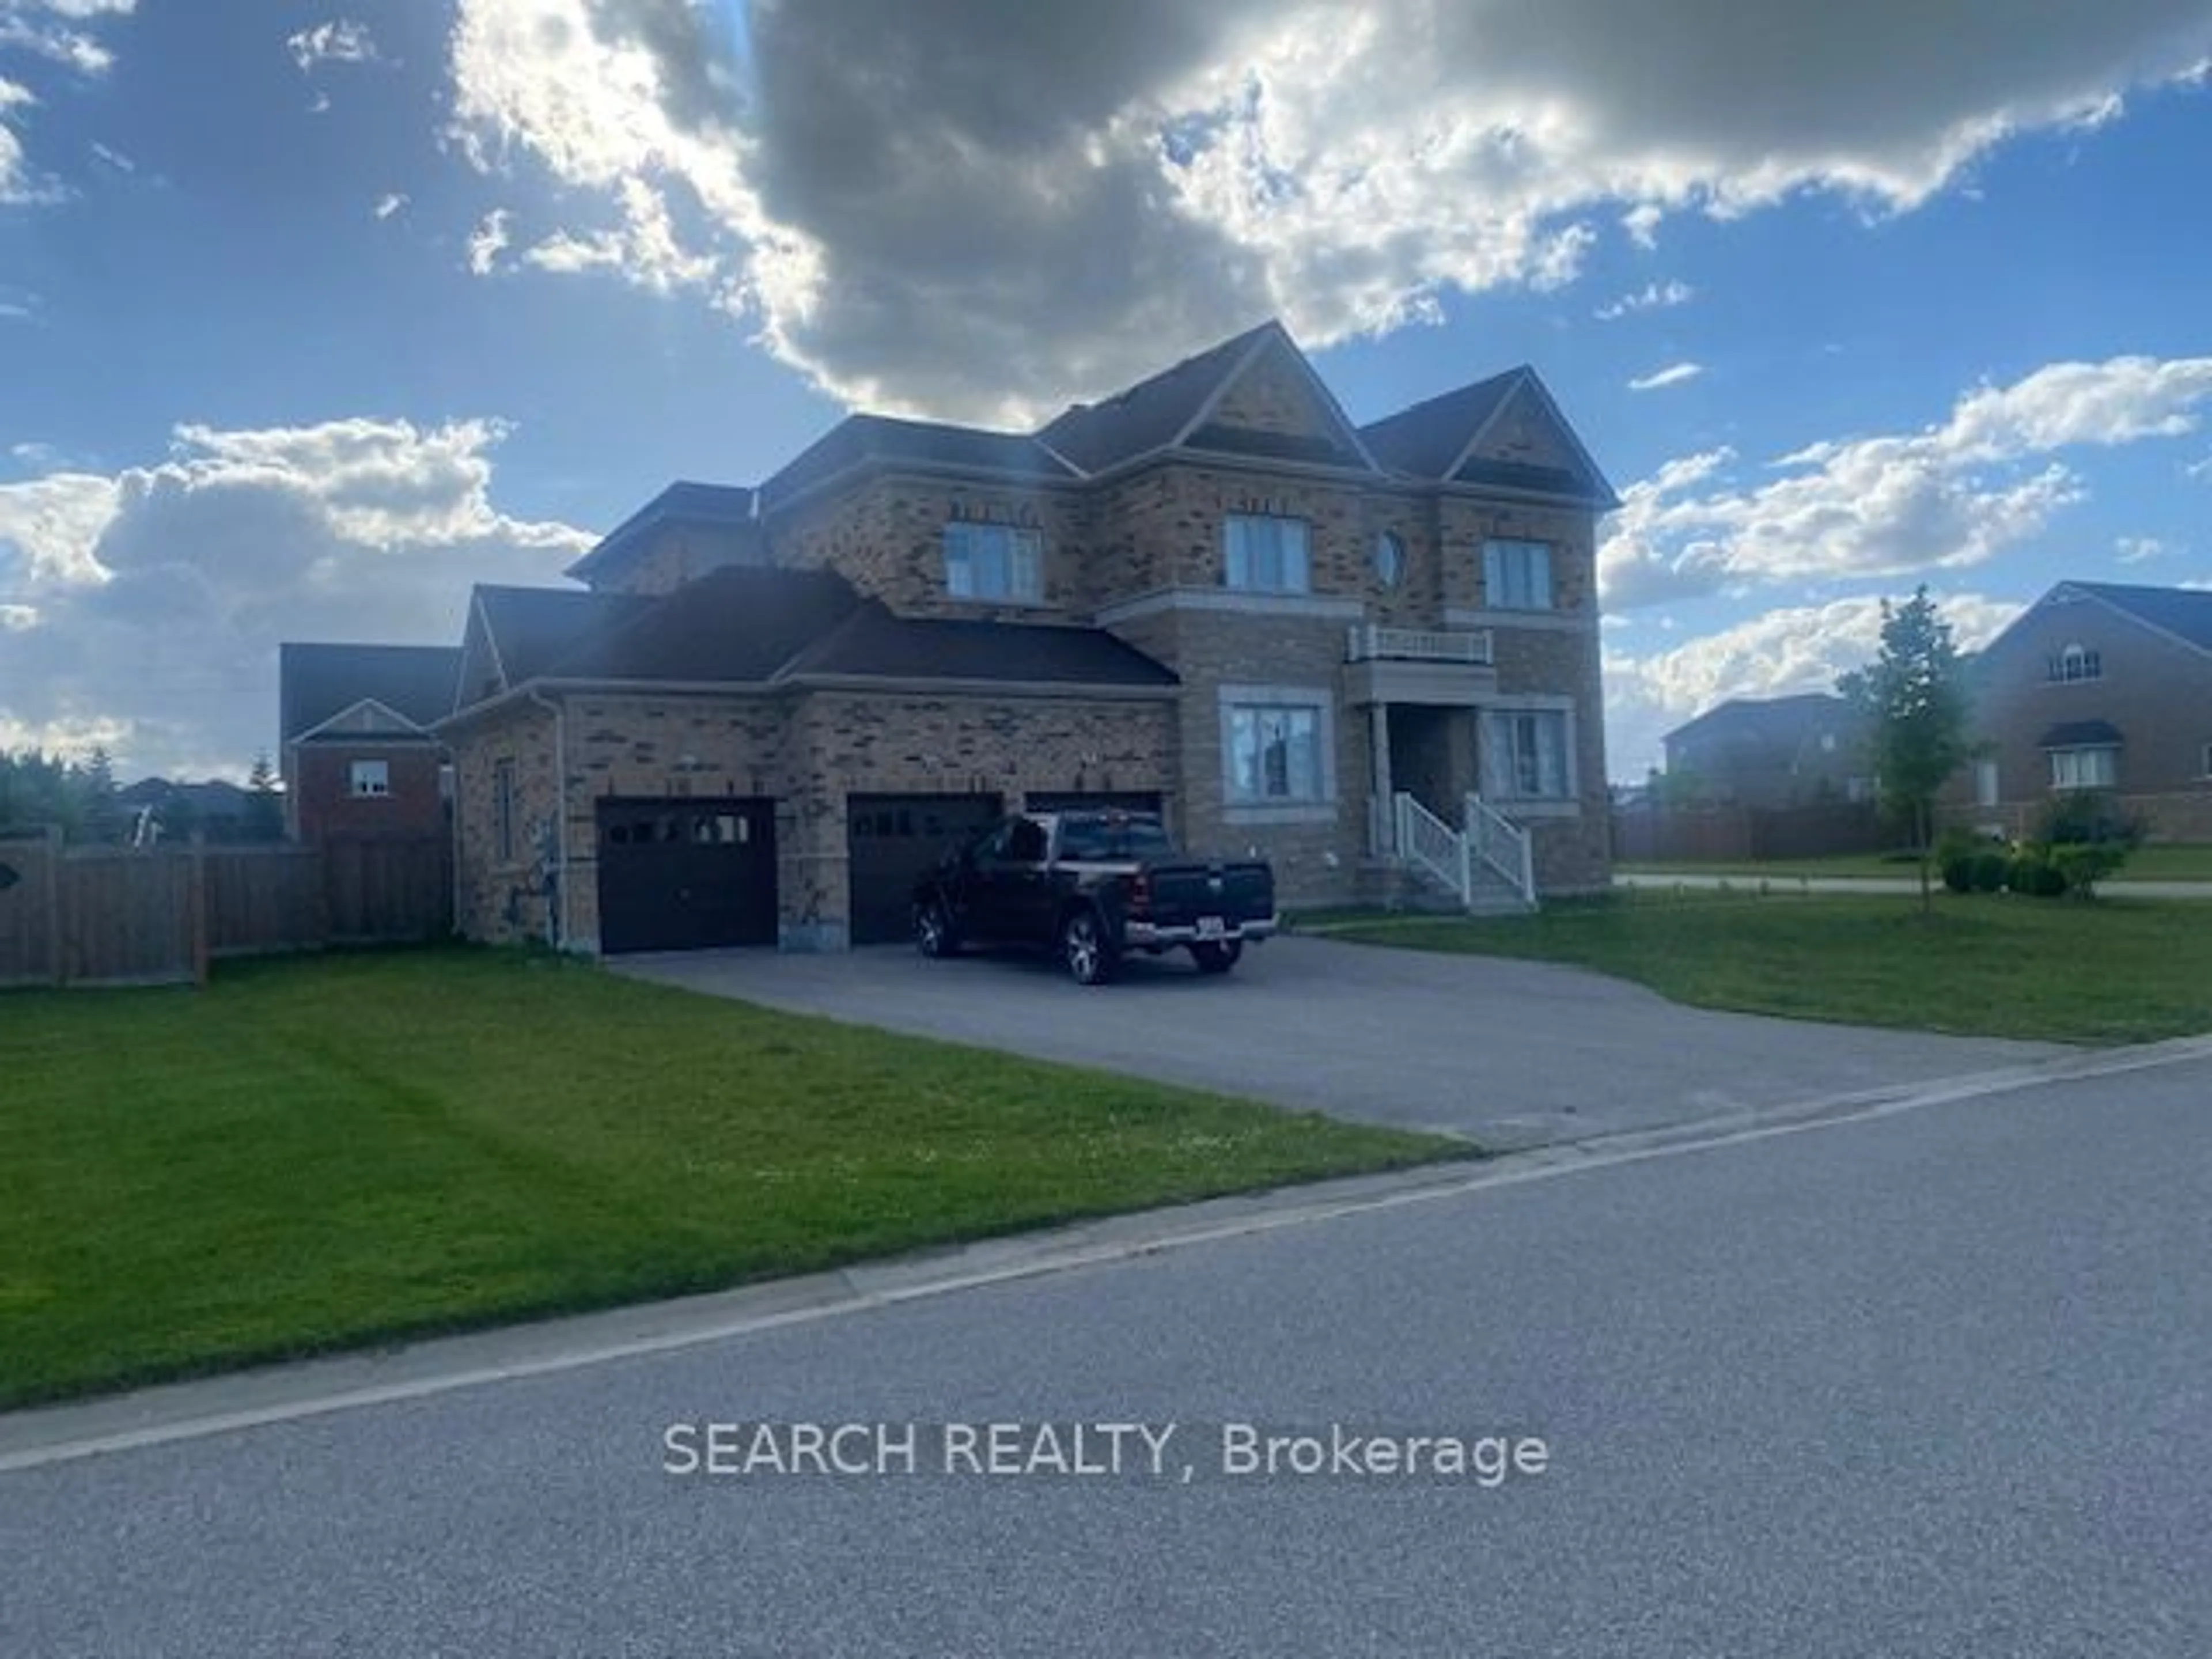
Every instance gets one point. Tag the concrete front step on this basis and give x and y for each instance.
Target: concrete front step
(1388, 885)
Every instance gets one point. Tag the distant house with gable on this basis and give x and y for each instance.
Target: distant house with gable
(2097, 685)
(1770, 752)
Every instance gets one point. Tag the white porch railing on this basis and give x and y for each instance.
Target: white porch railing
(1503, 846)
(1491, 851)
(1426, 841)
(1370, 641)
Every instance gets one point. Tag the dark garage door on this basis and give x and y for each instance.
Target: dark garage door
(686, 875)
(892, 839)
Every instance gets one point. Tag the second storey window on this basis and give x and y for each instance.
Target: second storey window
(1517, 575)
(2075, 663)
(993, 562)
(372, 778)
(1274, 754)
(1266, 554)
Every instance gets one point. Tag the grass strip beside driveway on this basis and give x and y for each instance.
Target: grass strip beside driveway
(2117, 970)
(322, 1153)
(2162, 862)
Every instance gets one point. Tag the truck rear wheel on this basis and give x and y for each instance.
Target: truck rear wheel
(1217, 956)
(1086, 949)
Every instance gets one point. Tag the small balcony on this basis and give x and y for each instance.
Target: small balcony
(1447, 667)
(1371, 642)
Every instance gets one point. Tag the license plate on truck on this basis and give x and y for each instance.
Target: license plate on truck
(1212, 928)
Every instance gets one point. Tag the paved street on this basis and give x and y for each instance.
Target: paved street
(1936, 1383)
(1514, 1054)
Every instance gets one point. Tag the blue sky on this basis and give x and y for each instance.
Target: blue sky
(311, 315)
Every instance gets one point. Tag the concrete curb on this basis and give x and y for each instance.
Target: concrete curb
(241, 1401)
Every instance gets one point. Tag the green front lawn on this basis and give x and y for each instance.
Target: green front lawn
(2167, 862)
(318, 1153)
(2118, 970)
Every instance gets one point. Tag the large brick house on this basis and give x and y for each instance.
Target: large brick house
(2097, 685)
(766, 709)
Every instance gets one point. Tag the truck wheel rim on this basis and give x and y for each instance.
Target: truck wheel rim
(1082, 949)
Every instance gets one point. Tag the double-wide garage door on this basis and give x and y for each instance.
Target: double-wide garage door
(686, 875)
(889, 841)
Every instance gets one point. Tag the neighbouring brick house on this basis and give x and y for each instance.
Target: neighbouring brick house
(1771, 752)
(359, 757)
(767, 710)
(2097, 685)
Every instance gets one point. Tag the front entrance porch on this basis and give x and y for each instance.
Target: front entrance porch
(1422, 690)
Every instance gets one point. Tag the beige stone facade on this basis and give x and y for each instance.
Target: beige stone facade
(1137, 548)
(808, 752)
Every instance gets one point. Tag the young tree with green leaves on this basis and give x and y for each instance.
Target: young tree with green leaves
(265, 807)
(1913, 701)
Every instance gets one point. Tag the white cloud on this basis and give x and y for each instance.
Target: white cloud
(645, 247)
(909, 203)
(1652, 296)
(46, 29)
(1673, 374)
(488, 241)
(342, 40)
(390, 203)
(1797, 648)
(2136, 550)
(15, 176)
(158, 594)
(1951, 496)
(76, 10)
(71, 48)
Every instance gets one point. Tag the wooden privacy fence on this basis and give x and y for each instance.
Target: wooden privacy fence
(1720, 835)
(109, 915)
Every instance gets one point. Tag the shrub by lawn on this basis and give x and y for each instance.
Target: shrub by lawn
(2118, 970)
(316, 1153)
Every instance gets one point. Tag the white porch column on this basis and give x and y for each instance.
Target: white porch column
(1378, 743)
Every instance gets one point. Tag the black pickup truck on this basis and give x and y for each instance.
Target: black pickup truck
(1093, 886)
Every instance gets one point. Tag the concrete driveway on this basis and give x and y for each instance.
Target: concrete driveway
(1513, 1054)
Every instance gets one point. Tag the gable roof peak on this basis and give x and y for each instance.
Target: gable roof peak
(1163, 412)
(2182, 613)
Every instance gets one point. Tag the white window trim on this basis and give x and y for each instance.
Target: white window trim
(355, 771)
(1304, 525)
(1237, 809)
(2091, 658)
(1019, 537)
(1491, 597)
(2112, 781)
(1391, 548)
(1566, 806)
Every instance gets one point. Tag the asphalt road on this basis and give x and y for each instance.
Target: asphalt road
(1938, 1383)
(1514, 1054)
